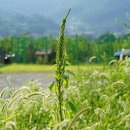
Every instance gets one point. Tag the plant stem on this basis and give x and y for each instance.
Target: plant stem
(60, 61)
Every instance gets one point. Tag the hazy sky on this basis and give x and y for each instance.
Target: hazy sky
(85, 13)
(52, 8)
(38, 6)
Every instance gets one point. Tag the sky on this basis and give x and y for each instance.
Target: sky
(85, 13)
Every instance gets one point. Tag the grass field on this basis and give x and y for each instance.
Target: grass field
(18, 68)
(94, 100)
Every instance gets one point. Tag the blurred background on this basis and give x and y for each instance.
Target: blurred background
(29, 30)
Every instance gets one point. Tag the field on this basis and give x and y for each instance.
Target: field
(19, 68)
(92, 100)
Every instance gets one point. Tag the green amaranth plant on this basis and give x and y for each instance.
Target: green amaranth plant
(60, 61)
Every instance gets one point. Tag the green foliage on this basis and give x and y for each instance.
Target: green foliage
(94, 99)
(79, 48)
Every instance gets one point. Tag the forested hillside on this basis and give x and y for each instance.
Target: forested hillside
(86, 16)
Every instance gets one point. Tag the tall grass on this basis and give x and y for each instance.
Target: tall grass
(93, 100)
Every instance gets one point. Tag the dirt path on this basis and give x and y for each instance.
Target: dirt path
(20, 79)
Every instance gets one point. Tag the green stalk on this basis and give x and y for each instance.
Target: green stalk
(60, 61)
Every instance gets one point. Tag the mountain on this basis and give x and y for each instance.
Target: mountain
(19, 24)
(44, 16)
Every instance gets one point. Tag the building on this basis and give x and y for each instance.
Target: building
(44, 57)
(122, 53)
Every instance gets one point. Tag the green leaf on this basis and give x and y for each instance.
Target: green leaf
(72, 106)
(72, 73)
(51, 85)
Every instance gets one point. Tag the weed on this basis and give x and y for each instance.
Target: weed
(60, 61)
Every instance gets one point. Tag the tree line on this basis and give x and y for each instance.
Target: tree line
(79, 48)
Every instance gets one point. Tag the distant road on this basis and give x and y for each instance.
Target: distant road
(20, 79)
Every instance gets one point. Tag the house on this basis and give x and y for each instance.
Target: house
(122, 53)
(43, 56)
(42, 53)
